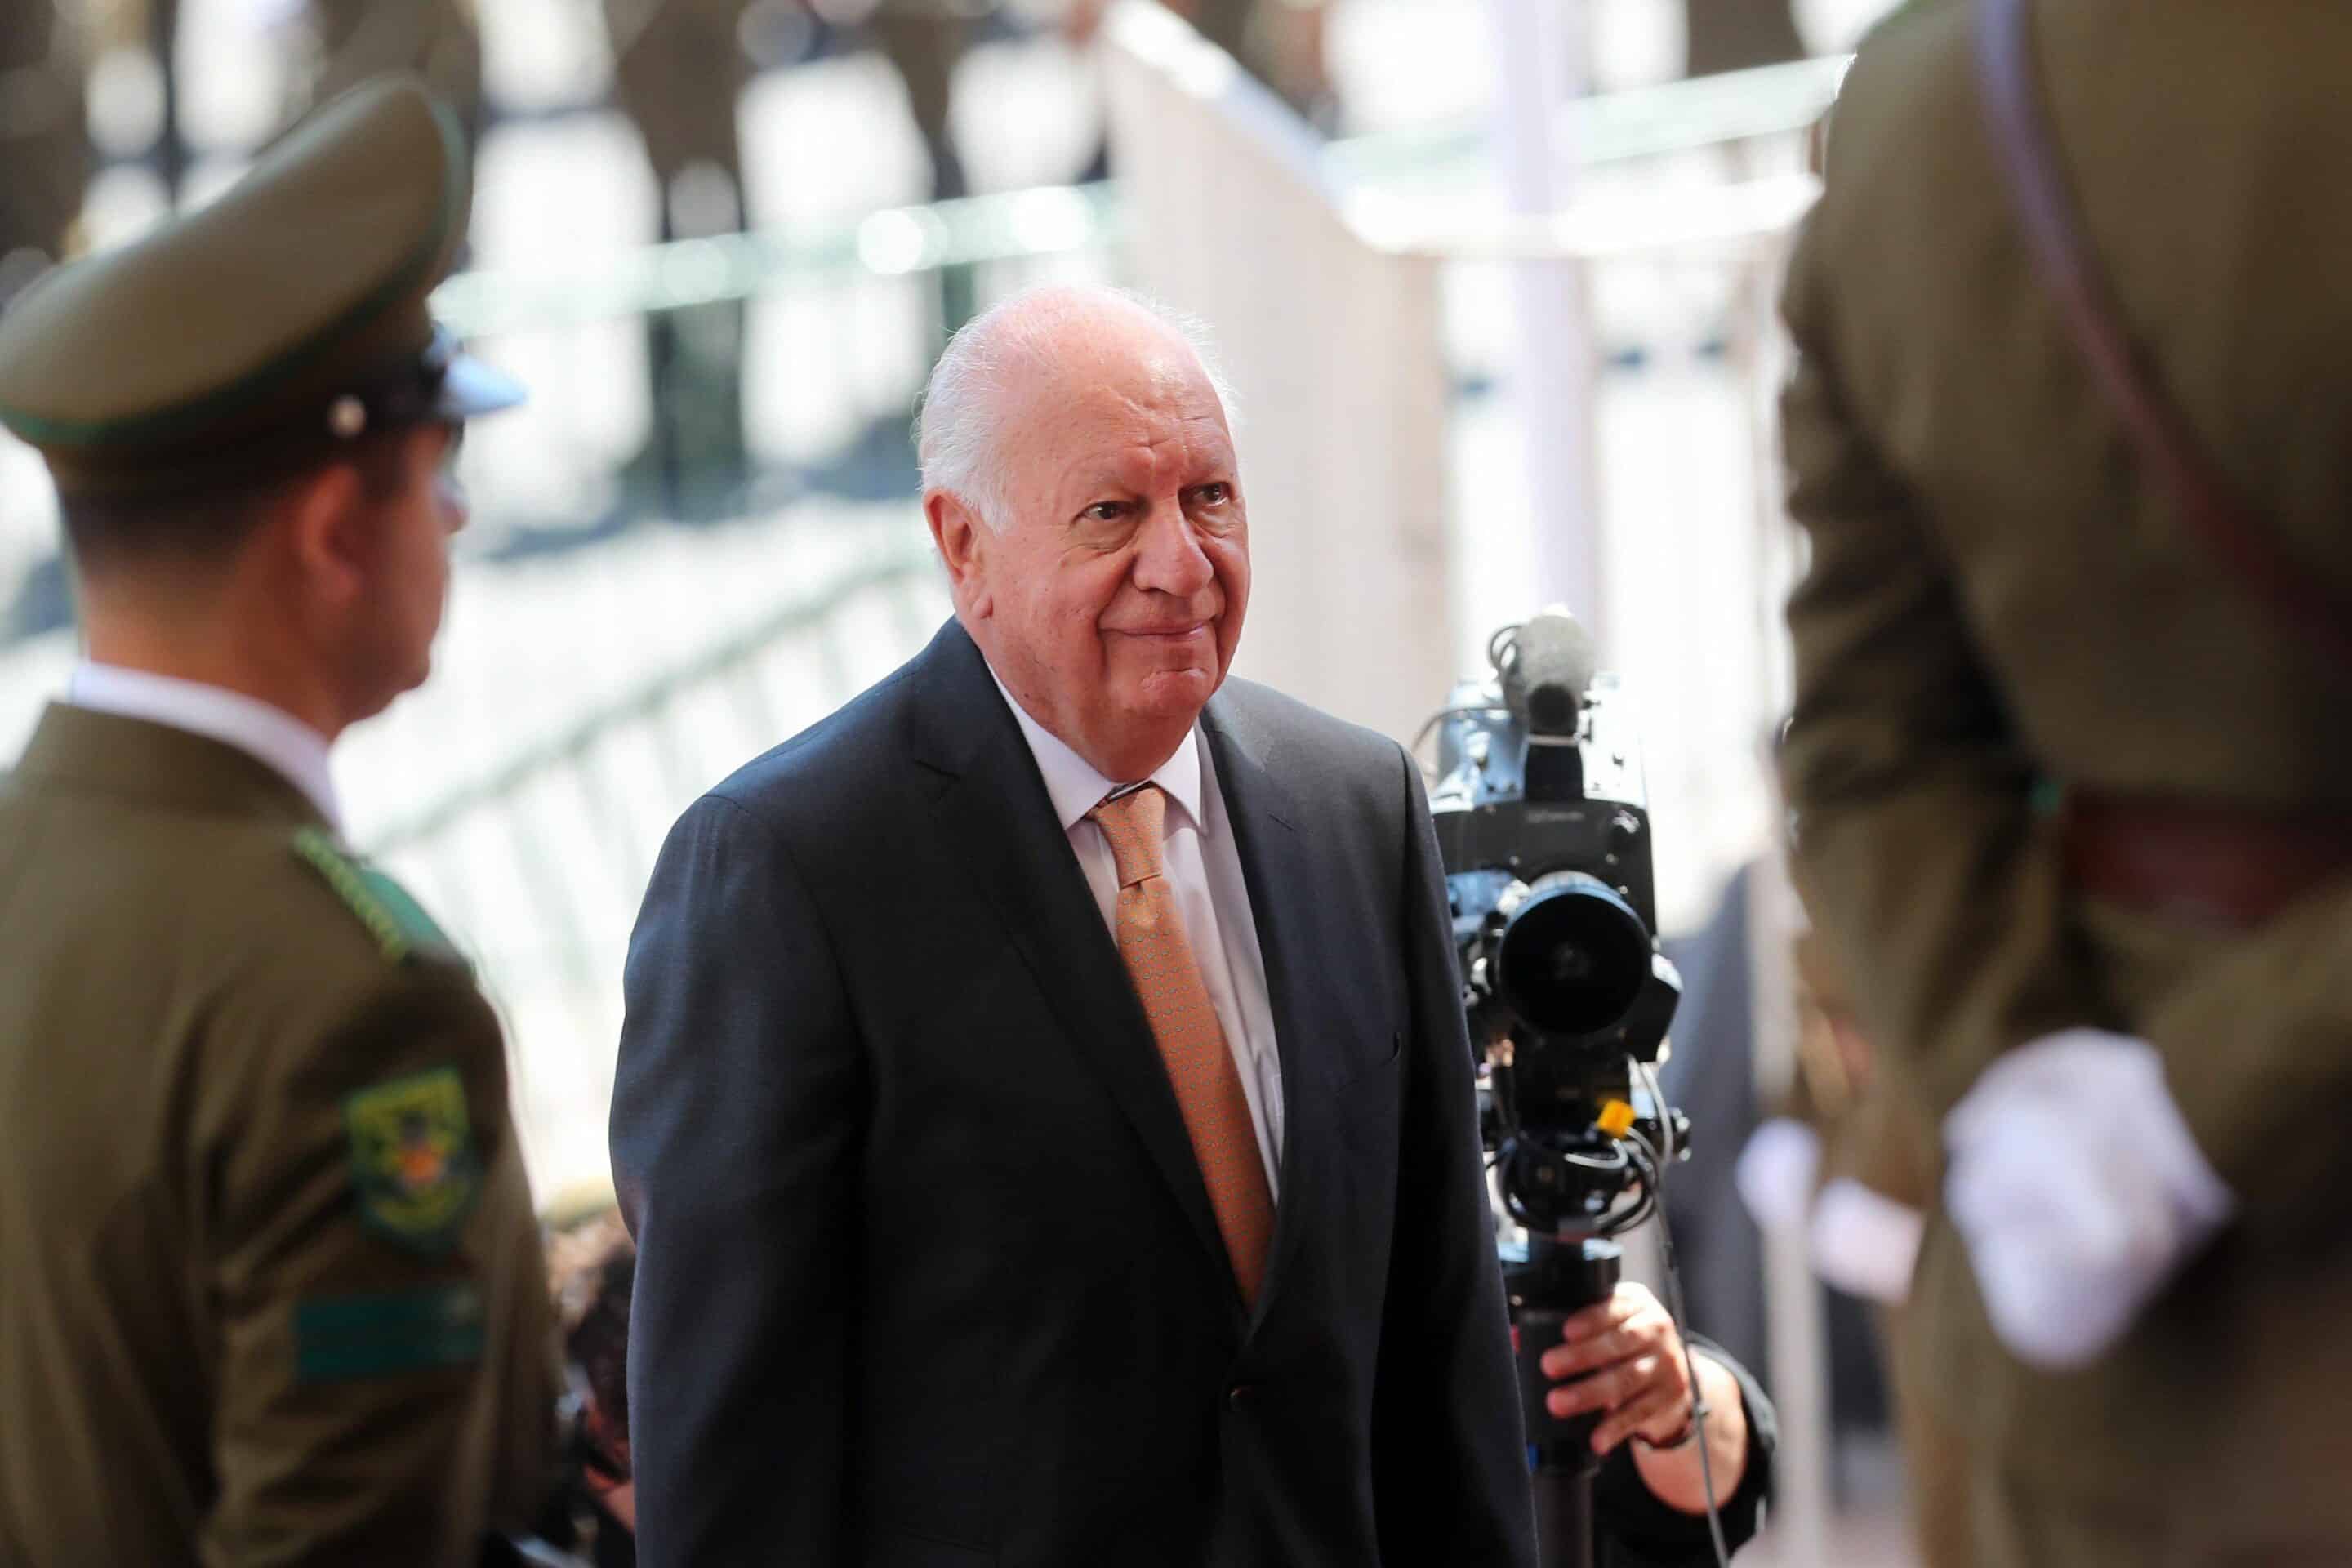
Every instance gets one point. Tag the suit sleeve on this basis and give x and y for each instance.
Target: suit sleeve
(386, 1384)
(1934, 881)
(1449, 1454)
(736, 1112)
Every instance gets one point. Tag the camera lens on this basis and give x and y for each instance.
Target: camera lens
(1574, 957)
(1551, 710)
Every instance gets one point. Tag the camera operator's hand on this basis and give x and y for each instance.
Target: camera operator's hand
(1626, 1361)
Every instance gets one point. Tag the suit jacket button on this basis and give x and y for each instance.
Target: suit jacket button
(1241, 1396)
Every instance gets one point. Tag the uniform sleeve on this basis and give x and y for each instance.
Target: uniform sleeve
(2255, 1051)
(1449, 1456)
(1637, 1531)
(1933, 879)
(737, 1118)
(386, 1360)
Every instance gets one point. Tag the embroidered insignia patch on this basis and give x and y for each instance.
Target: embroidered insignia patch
(398, 922)
(413, 1158)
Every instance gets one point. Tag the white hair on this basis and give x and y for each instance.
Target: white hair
(955, 427)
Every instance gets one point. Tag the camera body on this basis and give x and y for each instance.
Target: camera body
(1544, 830)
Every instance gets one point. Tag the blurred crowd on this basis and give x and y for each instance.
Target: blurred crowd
(666, 58)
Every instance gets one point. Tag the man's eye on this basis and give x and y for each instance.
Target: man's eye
(1215, 494)
(1106, 512)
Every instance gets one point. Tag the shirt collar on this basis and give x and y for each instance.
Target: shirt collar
(1077, 788)
(269, 735)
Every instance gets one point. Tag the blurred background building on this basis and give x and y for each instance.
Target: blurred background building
(1495, 282)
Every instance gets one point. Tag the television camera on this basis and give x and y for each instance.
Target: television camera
(1544, 830)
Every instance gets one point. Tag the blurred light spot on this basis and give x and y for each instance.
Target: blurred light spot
(703, 202)
(1202, 69)
(124, 202)
(1051, 220)
(893, 242)
(126, 102)
(695, 270)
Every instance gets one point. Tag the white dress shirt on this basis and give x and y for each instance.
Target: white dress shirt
(271, 736)
(1204, 867)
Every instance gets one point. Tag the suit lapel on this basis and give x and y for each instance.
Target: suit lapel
(1278, 871)
(992, 807)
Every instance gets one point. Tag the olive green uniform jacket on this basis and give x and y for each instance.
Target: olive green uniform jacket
(270, 1289)
(1996, 602)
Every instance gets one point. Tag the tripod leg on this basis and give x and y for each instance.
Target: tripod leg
(1558, 1282)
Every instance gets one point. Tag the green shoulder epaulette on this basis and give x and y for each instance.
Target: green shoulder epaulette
(398, 922)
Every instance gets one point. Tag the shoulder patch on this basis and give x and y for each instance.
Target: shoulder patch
(401, 927)
(413, 1158)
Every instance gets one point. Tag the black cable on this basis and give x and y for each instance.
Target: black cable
(1646, 1158)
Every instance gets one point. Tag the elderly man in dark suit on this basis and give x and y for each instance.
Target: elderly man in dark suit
(1045, 1113)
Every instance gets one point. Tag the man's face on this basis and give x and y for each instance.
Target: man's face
(410, 568)
(1111, 603)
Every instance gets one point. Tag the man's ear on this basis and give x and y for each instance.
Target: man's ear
(329, 534)
(962, 540)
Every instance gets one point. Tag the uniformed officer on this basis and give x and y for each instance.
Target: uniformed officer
(2076, 797)
(274, 1293)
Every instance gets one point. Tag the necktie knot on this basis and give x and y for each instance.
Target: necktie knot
(1133, 824)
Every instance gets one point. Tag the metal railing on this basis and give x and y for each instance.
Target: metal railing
(536, 862)
(1605, 129)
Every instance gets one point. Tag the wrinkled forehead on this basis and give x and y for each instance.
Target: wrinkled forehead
(1118, 396)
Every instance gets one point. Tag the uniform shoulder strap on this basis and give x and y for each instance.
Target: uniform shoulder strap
(398, 922)
(2166, 444)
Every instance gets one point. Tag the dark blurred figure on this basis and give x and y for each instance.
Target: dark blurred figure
(1279, 42)
(45, 153)
(2070, 758)
(273, 1291)
(680, 70)
(594, 1267)
(1734, 35)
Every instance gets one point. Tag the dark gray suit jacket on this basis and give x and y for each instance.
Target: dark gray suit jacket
(928, 1276)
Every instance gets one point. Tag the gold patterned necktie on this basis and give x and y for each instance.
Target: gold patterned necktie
(1191, 1041)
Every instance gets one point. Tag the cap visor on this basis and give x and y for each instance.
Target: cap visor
(471, 389)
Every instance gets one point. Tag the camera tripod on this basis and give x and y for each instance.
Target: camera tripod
(1559, 1280)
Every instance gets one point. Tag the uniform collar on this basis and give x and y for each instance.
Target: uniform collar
(269, 735)
(1077, 788)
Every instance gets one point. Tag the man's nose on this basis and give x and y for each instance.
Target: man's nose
(1169, 558)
